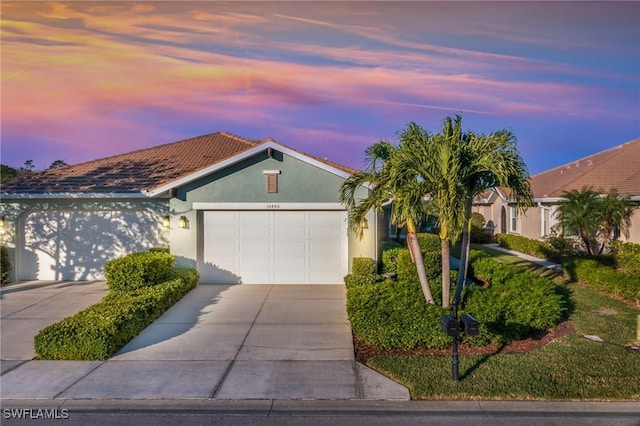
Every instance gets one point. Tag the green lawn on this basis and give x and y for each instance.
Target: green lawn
(569, 368)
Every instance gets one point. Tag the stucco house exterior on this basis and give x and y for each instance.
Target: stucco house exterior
(617, 167)
(238, 210)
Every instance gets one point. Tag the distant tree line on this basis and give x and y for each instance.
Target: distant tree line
(8, 172)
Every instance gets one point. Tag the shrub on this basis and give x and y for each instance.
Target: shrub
(101, 330)
(516, 303)
(390, 259)
(353, 280)
(604, 278)
(407, 271)
(481, 236)
(139, 269)
(388, 244)
(5, 264)
(394, 315)
(363, 266)
(525, 245)
(429, 242)
(627, 256)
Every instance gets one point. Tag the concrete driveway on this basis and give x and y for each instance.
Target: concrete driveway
(27, 308)
(224, 342)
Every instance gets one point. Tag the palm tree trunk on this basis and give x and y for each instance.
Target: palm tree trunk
(416, 254)
(464, 256)
(446, 272)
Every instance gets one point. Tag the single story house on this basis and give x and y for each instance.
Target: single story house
(617, 167)
(238, 210)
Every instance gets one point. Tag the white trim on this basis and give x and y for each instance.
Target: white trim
(548, 199)
(271, 172)
(267, 206)
(74, 195)
(242, 156)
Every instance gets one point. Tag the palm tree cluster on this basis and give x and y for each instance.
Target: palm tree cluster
(594, 216)
(449, 168)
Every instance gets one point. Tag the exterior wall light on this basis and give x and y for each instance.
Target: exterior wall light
(183, 222)
(2, 222)
(364, 224)
(166, 221)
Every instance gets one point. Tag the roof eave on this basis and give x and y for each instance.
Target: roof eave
(69, 195)
(154, 192)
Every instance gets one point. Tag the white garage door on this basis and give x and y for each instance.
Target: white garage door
(274, 247)
(75, 245)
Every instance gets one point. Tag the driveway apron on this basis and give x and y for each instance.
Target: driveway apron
(235, 342)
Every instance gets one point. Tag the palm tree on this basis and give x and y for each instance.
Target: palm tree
(390, 179)
(489, 161)
(591, 214)
(457, 166)
(579, 213)
(616, 214)
(437, 161)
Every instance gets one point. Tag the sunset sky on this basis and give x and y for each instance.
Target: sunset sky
(85, 80)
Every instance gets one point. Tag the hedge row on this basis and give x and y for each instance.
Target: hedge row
(593, 274)
(516, 303)
(627, 256)
(99, 331)
(394, 315)
(526, 245)
(138, 270)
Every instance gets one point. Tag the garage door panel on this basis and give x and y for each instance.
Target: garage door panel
(289, 233)
(254, 233)
(221, 234)
(325, 234)
(288, 247)
(253, 248)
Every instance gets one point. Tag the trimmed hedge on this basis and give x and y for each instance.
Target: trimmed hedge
(363, 266)
(604, 278)
(429, 242)
(516, 303)
(138, 270)
(390, 259)
(99, 331)
(407, 271)
(526, 245)
(627, 256)
(5, 264)
(393, 315)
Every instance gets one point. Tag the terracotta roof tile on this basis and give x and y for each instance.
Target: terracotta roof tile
(138, 170)
(618, 168)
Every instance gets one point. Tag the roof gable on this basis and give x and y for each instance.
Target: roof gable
(151, 171)
(617, 167)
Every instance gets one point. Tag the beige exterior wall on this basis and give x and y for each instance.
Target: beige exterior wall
(634, 229)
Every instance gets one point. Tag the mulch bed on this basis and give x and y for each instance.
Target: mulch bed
(530, 344)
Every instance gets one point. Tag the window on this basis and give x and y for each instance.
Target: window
(513, 219)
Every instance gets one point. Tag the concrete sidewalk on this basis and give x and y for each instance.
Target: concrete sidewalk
(542, 262)
(222, 342)
(269, 406)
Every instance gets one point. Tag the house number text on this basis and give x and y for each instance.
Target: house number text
(273, 206)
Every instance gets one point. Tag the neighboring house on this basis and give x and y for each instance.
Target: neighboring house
(617, 167)
(240, 211)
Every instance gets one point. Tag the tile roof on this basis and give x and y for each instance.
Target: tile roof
(617, 167)
(139, 170)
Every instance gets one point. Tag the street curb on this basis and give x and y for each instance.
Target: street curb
(275, 407)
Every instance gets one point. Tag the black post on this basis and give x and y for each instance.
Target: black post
(454, 355)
